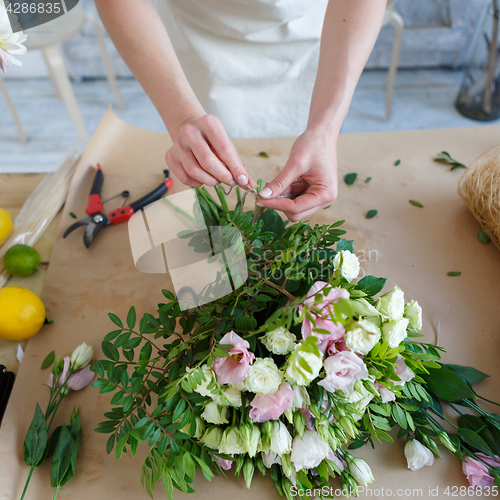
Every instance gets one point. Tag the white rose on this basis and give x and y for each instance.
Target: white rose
(308, 451)
(281, 440)
(296, 374)
(363, 308)
(414, 313)
(394, 332)
(392, 304)
(215, 414)
(346, 265)
(269, 459)
(233, 396)
(212, 438)
(360, 470)
(264, 377)
(231, 443)
(200, 427)
(279, 341)
(417, 455)
(360, 397)
(363, 337)
(301, 398)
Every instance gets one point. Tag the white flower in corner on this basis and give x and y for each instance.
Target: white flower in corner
(417, 455)
(360, 470)
(281, 440)
(10, 43)
(394, 332)
(346, 265)
(279, 341)
(215, 414)
(414, 313)
(392, 304)
(309, 450)
(264, 377)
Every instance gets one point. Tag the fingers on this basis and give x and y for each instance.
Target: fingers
(281, 182)
(176, 168)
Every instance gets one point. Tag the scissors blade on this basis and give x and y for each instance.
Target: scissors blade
(77, 224)
(96, 223)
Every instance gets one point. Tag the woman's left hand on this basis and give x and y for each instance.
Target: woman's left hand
(311, 171)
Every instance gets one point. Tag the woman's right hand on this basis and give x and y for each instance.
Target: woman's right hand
(202, 153)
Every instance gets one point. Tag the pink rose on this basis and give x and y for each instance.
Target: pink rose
(80, 379)
(225, 464)
(477, 472)
(235, 367)
(339, 463)
(61, 378)
(342, 371)
(272, 406)
(324, 321)
(403, 372)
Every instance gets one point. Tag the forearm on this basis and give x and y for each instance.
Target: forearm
(350, 30)
(142, 40)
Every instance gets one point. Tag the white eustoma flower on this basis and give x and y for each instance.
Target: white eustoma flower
(281, 440)
(10, 43)
(81, 356)
(392, 304)
(279, 341)
(264, 377)
(212, 438)
(394, 332)
(309, 450)
(301, 398)
(362, 336)
(414, 313)
(346, 265)
(360, 470)
(231, 443)
(360, 397)
(417, 455)
(200, 428)
(364, 309)
(269, 459)
(386, 394)
(233, 396)
(215, 414)
(295, 374)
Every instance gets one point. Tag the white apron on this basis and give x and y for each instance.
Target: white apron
(251, 63)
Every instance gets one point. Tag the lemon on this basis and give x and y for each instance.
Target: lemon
(22, 313)
(21, 260)
(5, 224)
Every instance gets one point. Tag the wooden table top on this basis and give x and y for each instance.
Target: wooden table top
(14, 189)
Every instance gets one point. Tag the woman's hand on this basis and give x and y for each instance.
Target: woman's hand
(311, 171)
(202, 153)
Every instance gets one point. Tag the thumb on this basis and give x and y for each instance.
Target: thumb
(279, 184)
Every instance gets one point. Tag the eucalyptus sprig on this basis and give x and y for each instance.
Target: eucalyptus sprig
(445, 157)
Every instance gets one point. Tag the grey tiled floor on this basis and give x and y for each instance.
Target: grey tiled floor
(422, 99)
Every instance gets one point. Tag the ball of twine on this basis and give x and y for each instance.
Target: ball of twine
(479, 187)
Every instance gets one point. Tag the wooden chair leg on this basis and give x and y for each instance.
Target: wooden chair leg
(55, 61)
(107, 61)
(13, 110)
(398, 23)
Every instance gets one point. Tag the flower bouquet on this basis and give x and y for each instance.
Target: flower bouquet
(288, 374)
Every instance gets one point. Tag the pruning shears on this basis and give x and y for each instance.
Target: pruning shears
(96, 219)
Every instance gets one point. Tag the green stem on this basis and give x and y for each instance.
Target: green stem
(489, 401)
(441, 416)
(456, 409)
(27, 481)
(57, 491)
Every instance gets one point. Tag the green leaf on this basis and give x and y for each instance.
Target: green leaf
(448, 385)
(272, 222)
(110, 444)
(168, 294)
(343, 244)
(397, 162)
(263, 154)
(473, 439)
(61, 459)
(73, 215)
(131, 318)
(367, 180)
(370, 284)
(371, 213)
(169, 487)
(110, 351)
(350, 178)
(179, 409)
(48, 360)
(416, 203)
(36, 439)
(115, 319)
(454, 273)
(470, 374)
(483, 237)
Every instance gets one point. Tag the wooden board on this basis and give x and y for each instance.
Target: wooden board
(413, 247)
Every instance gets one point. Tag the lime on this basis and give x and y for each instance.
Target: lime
(21, 260)
(5, 224)
(22, 313)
